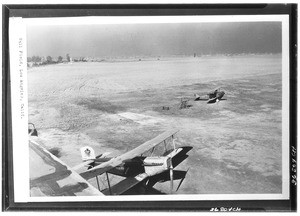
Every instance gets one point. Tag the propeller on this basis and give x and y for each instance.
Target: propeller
(171, 176)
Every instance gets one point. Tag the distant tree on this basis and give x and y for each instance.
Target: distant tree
(68, 58)
(60, 58)
(49, 59)
(29, 59)
(36, 59)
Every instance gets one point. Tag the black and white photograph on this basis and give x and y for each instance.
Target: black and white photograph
(156, 108)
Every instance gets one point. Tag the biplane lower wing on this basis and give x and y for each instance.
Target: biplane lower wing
(138, 151)
(125, 185)
(212, 100)
(49, 176)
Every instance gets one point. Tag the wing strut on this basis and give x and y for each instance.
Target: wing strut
(97, 182)
(173, 140)
(171, 177)
(152, 151)
(108, 183)
(171, 167)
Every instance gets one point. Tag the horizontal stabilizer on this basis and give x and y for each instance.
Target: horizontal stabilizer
(84, 164)
(89, 163)
(104, 155)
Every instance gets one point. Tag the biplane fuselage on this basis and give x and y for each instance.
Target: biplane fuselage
(135, 166)
(129, 168)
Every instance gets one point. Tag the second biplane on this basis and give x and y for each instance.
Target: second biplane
(211, 97)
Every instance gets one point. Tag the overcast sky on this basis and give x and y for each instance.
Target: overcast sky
(154, 39)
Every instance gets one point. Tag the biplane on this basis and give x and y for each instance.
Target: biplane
(211, 97)
(49, 176)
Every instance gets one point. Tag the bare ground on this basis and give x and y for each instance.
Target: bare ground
(117, 106)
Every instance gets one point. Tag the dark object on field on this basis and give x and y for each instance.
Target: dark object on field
(211, 97)
(32, 130)
(166, 108)
(184, 103)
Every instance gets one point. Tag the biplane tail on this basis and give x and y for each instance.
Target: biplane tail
(88, 154)
(89, 158)
(197, 97)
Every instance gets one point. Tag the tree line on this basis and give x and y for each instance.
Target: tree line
(38, 60)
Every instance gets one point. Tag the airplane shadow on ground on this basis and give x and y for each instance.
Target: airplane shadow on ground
(147, 188)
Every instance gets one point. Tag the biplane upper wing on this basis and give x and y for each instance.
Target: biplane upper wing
(106, 166)
(49, 176)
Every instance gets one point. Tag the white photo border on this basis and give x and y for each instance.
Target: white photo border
(19, 101)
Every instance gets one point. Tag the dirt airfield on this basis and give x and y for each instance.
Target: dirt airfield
(117, 105)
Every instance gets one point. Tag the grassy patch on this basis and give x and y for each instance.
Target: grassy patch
(100, 105)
